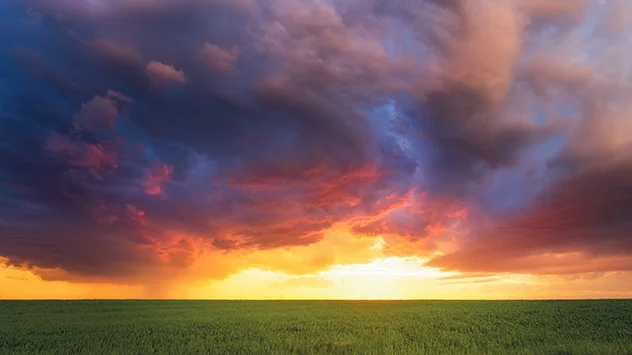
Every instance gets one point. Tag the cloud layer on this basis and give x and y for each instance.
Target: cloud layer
(139, 137)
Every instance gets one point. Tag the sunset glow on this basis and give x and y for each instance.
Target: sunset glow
(315, 149)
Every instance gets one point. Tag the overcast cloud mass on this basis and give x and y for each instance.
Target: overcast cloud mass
(483, 135)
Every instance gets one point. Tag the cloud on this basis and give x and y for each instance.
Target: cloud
(165, 73)
(618, 19)
(101, 112)
(80, 155)
(576, 226)
(481, 134)
(116, 51)
(158, 174)
(554, 9)
(219, 59)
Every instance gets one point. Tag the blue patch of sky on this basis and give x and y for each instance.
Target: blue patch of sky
(395, 130)
(540, 117)
(391, 127)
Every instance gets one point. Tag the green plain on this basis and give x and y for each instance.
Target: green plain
(316, 327)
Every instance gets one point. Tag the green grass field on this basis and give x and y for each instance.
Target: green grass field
(315, 327)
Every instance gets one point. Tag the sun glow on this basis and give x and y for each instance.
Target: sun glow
(391, 266)
(381, 278)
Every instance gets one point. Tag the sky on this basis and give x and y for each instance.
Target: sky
(327, 149)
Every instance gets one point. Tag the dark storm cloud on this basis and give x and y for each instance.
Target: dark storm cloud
(135, 133)
(579, 222)
(178, 113)
(587, 214)
(468, 136)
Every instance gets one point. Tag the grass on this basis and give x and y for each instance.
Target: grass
(316, 327)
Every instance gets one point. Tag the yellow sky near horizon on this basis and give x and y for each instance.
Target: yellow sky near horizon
(384, 278)
(340, 266)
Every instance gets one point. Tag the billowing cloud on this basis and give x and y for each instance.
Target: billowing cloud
(147, 137)
(101, 112)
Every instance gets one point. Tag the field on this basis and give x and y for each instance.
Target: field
(316, 327)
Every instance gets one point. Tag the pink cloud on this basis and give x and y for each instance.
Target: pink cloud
(219, 59)
(136, 214)
(165, 73)
(79, 154)
(619, 17)
(116, 50)
(574, 9)
(158, 174)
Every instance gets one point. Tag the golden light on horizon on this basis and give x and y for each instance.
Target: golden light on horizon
(387, 278)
